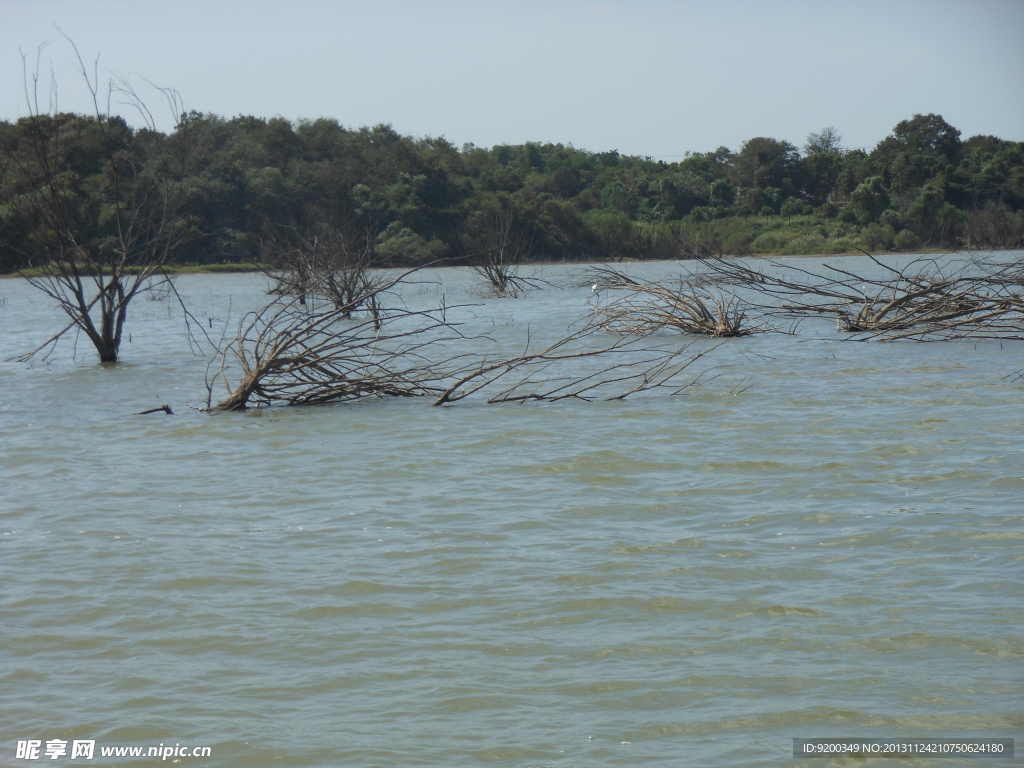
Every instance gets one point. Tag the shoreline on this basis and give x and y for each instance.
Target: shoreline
(213, 269)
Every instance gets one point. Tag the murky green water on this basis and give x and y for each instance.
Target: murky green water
(826, 540)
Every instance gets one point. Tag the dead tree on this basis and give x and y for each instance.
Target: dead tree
(291, 352)
(288, 355)
(94, 262)
(618, 370)
(330, 262)
(505, 246)
(924, 300)
(643, 307)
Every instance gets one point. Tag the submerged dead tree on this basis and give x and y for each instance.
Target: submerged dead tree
(643, 307)
(924, 300)
(576, 367)
(330, 261)
(292, 353)
(504, 247)
(285, 354)
(92, 261)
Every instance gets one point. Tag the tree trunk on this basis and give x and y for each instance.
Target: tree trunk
(107, 352)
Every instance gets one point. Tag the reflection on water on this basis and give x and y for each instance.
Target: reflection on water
(826, 540)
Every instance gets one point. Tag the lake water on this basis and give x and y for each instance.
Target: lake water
(825, 540)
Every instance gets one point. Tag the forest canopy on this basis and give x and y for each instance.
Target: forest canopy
(253, 181)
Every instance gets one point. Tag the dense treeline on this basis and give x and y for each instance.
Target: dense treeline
(251, 182)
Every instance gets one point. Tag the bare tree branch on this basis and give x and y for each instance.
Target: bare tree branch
(927, 299)
(643, 307)
(287, 354)
(506, 246)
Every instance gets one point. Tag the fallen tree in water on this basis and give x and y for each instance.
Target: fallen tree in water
(293, 353)
(643, 307)
(623, 368)
(287, 354)
(924, 300)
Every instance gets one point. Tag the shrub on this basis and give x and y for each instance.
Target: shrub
(906, 241)
(891, 218)
(792, 207)
(398, 245)
(736, 244)
(848, 215)
(768, 242)
(808, 243)
(875, 237)
(841, 245)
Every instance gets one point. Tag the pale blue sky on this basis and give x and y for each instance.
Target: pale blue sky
(649, 78)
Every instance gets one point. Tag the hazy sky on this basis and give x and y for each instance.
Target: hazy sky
(647, 78)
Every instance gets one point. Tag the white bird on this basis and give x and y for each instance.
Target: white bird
(593, 287)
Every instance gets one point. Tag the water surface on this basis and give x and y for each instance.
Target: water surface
(825, 540)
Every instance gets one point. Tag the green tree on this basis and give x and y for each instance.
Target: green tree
(869, 199)
(764, 162)
(821, 173)
(917, 151)
(827, 142)
(614, 232)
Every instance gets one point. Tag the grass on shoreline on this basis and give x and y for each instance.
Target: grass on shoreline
(804, 235)
(208, 269)
(171, 269)
(754, 236)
